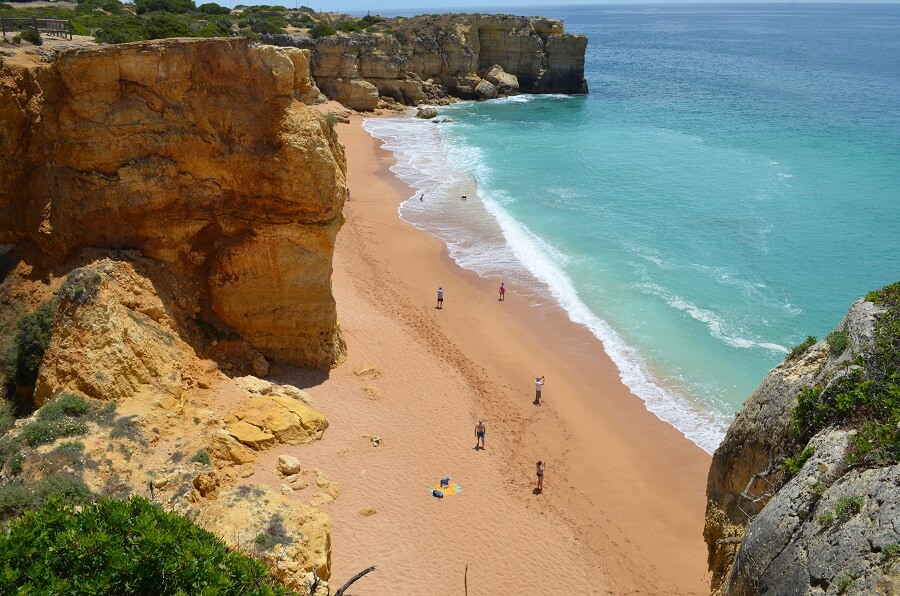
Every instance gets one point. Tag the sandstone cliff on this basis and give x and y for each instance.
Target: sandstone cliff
(201, 155)
(804, 492)
(431, 58)
(158, 415)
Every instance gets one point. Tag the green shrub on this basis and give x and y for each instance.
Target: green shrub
(9, 448)
(32, 36)
(845, 582)
(66, 404)
(41, 432)
(838, 342)
(123, 547)
(15, 499)
(868, 398)
(32, 340)
(800, 348)
(7, 415)
(891, 551)
(348, 27)
(201, 456)
(81, 286)
(63, 488)
(120, 30)
(826, 520)
(888, 295)
(847, 507)
(67, 455)
(372, 19)
(793, 465)
(162, 25)
(266, 27)
(176, 6)
(16, 39)
(321, 30)
(213, 8)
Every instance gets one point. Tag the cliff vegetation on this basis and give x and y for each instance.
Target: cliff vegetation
(804, 492)
(119, 547)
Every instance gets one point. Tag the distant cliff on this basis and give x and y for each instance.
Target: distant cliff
(200, 154)
(435, 58)
(804, 492)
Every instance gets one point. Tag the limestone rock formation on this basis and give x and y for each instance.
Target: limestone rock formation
(506, 83)
(264, 421)
(287, 465)
(296, 539)
(108, 348)
(830, 527)
(431, 57)
(199, 154)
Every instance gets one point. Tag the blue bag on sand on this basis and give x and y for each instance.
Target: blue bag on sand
(437, 494)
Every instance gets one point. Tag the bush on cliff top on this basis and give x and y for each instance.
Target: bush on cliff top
(123, 547)
(32, 341)
(868, 398)
(322, 30)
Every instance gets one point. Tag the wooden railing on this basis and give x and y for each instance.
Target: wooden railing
(49, 27)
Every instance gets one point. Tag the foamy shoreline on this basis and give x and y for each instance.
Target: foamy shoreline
(624, 499)
(525, 259)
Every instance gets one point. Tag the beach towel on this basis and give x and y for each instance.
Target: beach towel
(451, 489)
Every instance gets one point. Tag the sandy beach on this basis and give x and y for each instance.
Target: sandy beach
(622, 507)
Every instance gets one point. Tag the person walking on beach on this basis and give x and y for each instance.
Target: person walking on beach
(440, 303)
(421, 197)
(479, 435)
(502, 291)
(538, 385)
(540, 477)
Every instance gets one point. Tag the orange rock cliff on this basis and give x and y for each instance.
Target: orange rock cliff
(201, 155)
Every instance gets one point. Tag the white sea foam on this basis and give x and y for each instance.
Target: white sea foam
(716, 324)
(432, 165)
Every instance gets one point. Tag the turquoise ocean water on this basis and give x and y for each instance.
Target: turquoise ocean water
(729, 186)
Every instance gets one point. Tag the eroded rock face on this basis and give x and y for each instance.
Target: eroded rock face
(766, 535)
(430, 57)
(297, 537)
(107, 347)
(198, 153)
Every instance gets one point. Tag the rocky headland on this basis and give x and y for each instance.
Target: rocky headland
(804, 492)
(437, 59)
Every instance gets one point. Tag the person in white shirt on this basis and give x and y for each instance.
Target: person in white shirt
(440, 303)
(538, 385)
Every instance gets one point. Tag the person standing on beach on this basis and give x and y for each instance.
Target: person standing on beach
(440, 303)
(540, 477)
(479, 435)
(421, 197)
(538, 385)
(502, 291)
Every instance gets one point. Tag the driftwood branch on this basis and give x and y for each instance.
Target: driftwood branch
(730, 540)
(350, 582)
(315, 583)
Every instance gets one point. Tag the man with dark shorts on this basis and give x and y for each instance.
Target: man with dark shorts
(440, 298)
(479, 434)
